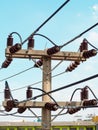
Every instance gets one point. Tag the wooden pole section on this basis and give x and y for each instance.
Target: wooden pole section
(46, 114)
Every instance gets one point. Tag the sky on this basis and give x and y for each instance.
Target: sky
(24, 17)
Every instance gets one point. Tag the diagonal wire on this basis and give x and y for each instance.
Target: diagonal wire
(79, 35)
(46, 20)
(33, 113)
(46, 38)
(61, 88)
(58, 114)
(56, 65)
(16, 74)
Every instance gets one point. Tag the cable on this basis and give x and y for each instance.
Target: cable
(46, 38)
(18, 35)
(46, 21)
(45, 94)
(6, 84)
(64, 87)
(79, 35)
(57, 65)
(33, 113)
(33, 83)
(13, 114)
(58, 114)
(91, 45)
(92, 93)
(69, 85)
(74, 93)
(16, 74)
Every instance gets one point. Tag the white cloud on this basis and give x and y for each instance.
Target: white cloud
(95, 7)
(95, 11)
(93, 37)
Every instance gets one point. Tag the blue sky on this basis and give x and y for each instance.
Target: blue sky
(25, 17)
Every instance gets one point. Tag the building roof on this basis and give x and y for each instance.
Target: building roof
(62, 123)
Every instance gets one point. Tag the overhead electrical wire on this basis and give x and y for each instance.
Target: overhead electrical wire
(91, 45)
(45, 37)
(63, 46)
(33, 113)
(67, 43)
(92, 93)
(18, 35)
(46, 21)
(44, 93)
(16, 74)
(59, 114)
(29, 84)
(69, 85)
(64, 87)
(74, 93)
(79, 35)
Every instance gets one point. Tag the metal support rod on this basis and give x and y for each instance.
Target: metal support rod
(46, 114)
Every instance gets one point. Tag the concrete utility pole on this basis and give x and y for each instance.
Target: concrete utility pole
(46, 114)
(46, 86)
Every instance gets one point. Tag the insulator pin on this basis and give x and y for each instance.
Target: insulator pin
(38, 63)
(90, 53)
(90, 102)
(9, 41)
(53, 50)
(6, 63)
(29, 93)
(30, 43)
(15, 48)
(6, 93)
(51, 106)
(84, 45)
(84, 93)
(73, 110)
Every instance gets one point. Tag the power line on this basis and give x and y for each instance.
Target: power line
(79, 35)
(46, 20)
(45, 37)
(38, 82)
(64, 87)
(16, 74)
(55, 44)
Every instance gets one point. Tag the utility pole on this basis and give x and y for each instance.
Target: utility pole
(46, 114)
(46, 79)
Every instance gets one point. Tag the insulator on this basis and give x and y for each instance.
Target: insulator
(53, 50)
(72, 66)
(90, 53)
(8, 109)
(90, 102)
(6, 93)
(30, 43)
(38, 63)
(29, 93)
(21, 109)
(9, 41)
(15, 48)
(84, 93)
(11, 103)
(73, 110)
(84, 45)
(6, 63)
(51, 106)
